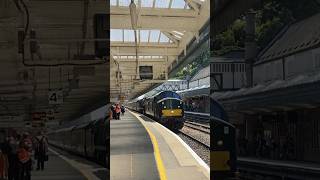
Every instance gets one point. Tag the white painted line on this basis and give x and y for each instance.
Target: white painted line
(195, 155)
(77, 166)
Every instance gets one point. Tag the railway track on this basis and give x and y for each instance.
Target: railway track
(195, 139)
(197, 126)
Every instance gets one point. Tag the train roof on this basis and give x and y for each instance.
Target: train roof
(166, 94)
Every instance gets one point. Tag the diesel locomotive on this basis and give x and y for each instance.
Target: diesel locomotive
(166, 107)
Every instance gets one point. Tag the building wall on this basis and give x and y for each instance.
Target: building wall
(232, 73)
(289, 67)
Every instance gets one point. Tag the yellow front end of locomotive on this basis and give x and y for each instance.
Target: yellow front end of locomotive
(171, 112)
(219, 161)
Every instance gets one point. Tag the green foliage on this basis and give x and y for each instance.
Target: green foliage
(192, 68)
(270, 19)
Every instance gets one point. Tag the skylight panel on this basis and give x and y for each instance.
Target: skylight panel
(163, 38)
(116, 35)
(154, 35)
(147, 3)
(128, 35)
(113, 2)
(178, 4)
(124, 2)
(162, 3)
(144, 35)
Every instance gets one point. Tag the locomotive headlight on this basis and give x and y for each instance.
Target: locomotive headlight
(172, 111)
(220, 143)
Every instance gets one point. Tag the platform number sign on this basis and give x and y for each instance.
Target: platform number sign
(55, 97)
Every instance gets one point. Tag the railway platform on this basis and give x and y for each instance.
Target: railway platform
(143, 149)
(62, 165)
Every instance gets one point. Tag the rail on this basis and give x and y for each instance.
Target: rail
(249, 168)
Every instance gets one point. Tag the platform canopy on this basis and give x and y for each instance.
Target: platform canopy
(150, 33)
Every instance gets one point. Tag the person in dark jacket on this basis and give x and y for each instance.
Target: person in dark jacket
(41, 150)
(123, 110)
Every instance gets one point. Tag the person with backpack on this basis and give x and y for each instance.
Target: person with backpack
(41, 150)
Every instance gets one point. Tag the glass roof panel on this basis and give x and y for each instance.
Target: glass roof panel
(163, 38)
(178, 4)
(144, 35)
(116, 35)
(128, 35)
(162, 3)
(154, 36)
(113, 2)
(147, 3)
(124, 2)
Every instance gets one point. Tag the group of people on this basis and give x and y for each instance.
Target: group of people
(16, 162)
(116, 110)
(268, 147)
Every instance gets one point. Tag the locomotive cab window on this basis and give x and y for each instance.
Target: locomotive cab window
(171, 104)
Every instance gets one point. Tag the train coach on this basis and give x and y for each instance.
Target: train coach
(90, 139)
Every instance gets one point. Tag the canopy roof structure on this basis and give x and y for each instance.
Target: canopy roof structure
(150, 33)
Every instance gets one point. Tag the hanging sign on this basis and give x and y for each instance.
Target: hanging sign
(55, 97)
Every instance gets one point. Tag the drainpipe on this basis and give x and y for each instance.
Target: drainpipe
(250, 47)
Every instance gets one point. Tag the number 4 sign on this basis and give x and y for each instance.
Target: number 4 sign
(55, 97)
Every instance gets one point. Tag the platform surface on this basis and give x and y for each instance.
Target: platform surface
(133, 153)
(62, 165)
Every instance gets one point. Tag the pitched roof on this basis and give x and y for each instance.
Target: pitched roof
(202, 73)
(297, 37)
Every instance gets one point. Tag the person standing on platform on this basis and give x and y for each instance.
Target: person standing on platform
(118, 110)
(24, 157)
(123, 110)
(4, 164)
(41, 150)
(13, 159)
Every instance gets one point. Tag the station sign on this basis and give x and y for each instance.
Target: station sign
(55, 97)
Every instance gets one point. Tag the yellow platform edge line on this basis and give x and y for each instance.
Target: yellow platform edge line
(160, 166)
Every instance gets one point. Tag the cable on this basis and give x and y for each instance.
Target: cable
(105, 60)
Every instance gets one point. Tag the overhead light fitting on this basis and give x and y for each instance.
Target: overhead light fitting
(134, 15)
